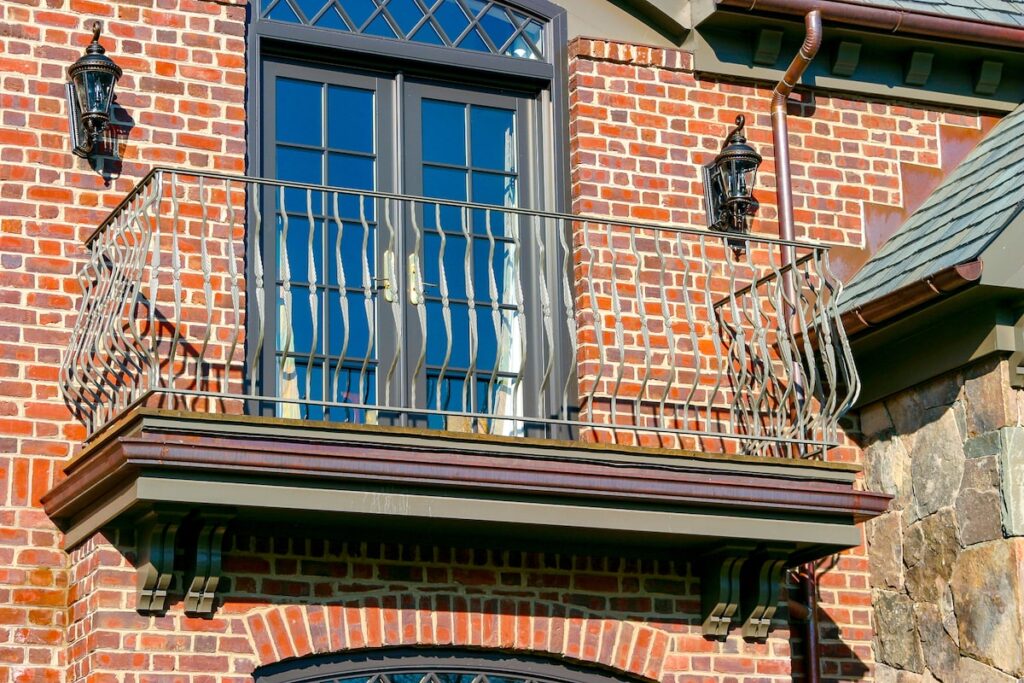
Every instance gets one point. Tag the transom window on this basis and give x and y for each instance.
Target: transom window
(475, 25)
(429, 666)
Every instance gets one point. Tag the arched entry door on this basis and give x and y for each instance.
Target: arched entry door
(430, 666)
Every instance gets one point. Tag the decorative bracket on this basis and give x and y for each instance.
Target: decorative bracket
(720, 588)
(202, 591)
(1016, 359)
(156, 532)
(761, 584)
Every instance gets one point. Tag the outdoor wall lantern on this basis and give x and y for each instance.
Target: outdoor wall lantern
(729, 183)
(90, 91)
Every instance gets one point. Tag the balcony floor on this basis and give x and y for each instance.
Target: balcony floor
(442, 485)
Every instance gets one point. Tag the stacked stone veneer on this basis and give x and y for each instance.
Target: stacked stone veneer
(947, 560)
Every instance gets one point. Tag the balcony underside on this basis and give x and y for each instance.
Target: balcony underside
(447, 485)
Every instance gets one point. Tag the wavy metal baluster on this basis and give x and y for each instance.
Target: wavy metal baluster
(670, 336)
(851, 378)
(782, 425)
(691, 317)
(547, 321)
(93, 359)
(314, 313)
(113, 348)
(499, 332)
(620, 340)
(760, 360)
(446, 312)
(517, 276)
(139, 270)
(204, 257)
(176, 278)
(570, 311)
(233, 275)
(822, 421)
(368, 304)
(260, 290)
(416, 298)
(286, 290)
(72, 379)
(339, 265)
(598, 320)
(469, 386)
(739, 349)
(155, 265)
(645, 331)
(809, 372)
(392, 295)
(716, 335)
(90, 377)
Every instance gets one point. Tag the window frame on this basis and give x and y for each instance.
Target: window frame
(330, 668)
(323, 48)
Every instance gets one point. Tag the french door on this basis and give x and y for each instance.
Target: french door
(383, 302)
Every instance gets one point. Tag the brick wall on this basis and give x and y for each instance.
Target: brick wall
(290, 596)
(180, 101)
(642, 123)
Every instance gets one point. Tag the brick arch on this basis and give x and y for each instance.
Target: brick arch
(285, 632)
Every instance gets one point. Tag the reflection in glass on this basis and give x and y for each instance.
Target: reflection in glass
(497, 27)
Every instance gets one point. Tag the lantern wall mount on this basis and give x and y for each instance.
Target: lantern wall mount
(90, 92)
(729, 183)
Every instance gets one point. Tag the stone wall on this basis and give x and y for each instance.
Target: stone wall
(946, 560)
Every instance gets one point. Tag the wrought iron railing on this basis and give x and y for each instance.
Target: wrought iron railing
(214, 292)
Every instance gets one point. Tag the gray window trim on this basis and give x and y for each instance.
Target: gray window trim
(268, 39)
(326, 669)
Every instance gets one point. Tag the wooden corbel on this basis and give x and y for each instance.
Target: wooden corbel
(720, 575)
(761, 590)
(156, 531)
(200, 597)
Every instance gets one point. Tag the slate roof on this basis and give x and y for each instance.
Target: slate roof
(956, 223)
(1009, 12)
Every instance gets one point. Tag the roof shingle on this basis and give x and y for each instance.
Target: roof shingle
(1008, 12)
(956, 223)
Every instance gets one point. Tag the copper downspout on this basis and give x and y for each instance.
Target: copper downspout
(784, 191)
(892, 20)
(780, 129)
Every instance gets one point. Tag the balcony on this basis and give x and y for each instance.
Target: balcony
(250, 347)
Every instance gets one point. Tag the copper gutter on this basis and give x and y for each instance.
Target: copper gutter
(784, 191)
(895, 303)
(892, 20)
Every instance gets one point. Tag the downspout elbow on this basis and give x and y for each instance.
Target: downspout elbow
(808, 50)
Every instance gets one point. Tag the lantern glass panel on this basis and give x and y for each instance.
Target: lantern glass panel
(94, 90)
(738, 176)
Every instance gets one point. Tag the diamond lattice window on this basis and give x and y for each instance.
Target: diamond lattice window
(467, 24)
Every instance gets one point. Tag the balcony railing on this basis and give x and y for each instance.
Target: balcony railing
(210, 292)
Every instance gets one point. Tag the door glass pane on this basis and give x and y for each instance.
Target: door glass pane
(444, 132)
(350, 119)
(493, 138)
(301, 122)
(472, 367)
(325, 134)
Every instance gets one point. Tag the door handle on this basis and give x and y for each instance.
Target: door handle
(415, 281)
